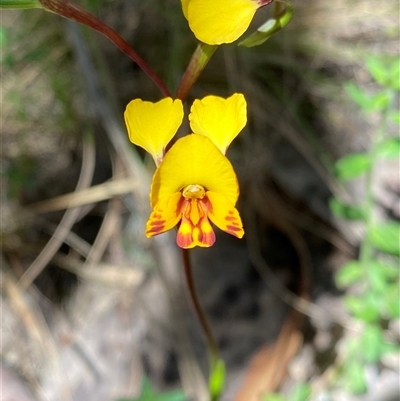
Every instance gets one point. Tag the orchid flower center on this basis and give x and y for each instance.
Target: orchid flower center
(193, 191)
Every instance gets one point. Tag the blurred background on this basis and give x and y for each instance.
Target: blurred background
(91, 309)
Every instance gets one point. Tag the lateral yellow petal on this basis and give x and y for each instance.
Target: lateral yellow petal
(185, 6)
(219, 119)
(220, 21)
(194, 159)
(152, 125)
(224, 214)
(166, 215)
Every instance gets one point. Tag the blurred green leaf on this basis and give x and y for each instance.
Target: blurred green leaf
(390, 348)
(3, 37)
(395, 74)
(392, 300)
(378, 70)
(390, 271)
(345, 211)
(300, 392)
(217, 379)
(358, 95)
(386, 237)
(390, 149)
(273, 397)
(371, 343)
(365, 307)
(148, 394)
(354, 376)
(379, 101)
(20, 4)
(395, 116)
(349, 273)
(352, 166)
(376, 277)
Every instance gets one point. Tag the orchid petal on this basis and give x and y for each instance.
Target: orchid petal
(224, 214)
(219, 21)
(219, 119)
(152, 125)
(166, 215)
(194, 159)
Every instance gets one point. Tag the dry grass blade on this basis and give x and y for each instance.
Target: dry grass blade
(66, 223)
(108, 274)
(86, 196)
(36, 327)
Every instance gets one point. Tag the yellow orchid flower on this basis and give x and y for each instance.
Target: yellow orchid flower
(194, 182)
(220, 21)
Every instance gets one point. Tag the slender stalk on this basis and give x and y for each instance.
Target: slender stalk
(73, 12)
(197, 63)
(205, 325)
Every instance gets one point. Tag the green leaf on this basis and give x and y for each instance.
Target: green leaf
(376, 278)
(386, 237)
(217, 379)
(352, 166)
(21, 4)
(395, 74)
(378, 70)
(392, 301)
(354, 376)
(346, 211)
(390, 348)
(270, 27)
(273, 397)
(349, 273)
(379, 101)
(371, 343)
(149, 394)
(300, 392)
(390, 149)
(365, 308)
(395, 116)
(358, 96)
(388, 270)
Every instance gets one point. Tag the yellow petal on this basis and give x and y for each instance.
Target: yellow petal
(185, 6)
(152, 125)
(224, 214)
(166, 215)
(219, 119)
(220, 21)
(194, 159)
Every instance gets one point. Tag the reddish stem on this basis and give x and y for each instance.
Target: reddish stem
(73, 12)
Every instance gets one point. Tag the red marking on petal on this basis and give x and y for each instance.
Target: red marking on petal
(230, 218)
(157, 215)
(231, 211)
(155, 230)
(206, 204)
(232, 228)
(157, 222)
(208, 238)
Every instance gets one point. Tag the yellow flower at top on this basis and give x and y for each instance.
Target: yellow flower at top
(220, 21)
(194, 182)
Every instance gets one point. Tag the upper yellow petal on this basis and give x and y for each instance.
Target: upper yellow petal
(194, 159)
(219, 119)
(185, 6)
(220, 21)
(152, 125)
